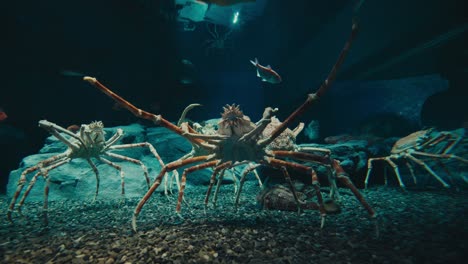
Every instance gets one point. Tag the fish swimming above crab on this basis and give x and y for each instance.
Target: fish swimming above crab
(266, 73)
(238, 139)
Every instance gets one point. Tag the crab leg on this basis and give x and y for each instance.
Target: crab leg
(312, 98)
(184, 179)
(96, 172)
(443, 156)
(156, 119)
(111, 141)
(424, 165)
(54, 129)
(33, 180)
(246, 171)
(22, 179)
(221, 176)
(344, 179)
(119, 169)
(167, 168)
(389, 161)
(216, 170)
(277, 163)
(148, 145)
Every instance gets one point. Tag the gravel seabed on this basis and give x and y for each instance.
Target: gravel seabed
(429, 226)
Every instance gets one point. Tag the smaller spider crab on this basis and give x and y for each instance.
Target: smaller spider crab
(424, 143)
(219, 42)
(89, 142)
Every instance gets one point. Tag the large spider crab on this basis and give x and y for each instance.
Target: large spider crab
(240, 140)
(89, 142)
(424, 143)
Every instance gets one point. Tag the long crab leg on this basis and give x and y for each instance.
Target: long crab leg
(22, 179)
(427, 168)
(247, 170)
(169, 167)
(344, 179)
(96, 172)
(111, 141)
(221, 176)
(33, 180)
(277, 163)
(119, 169)
(216, 170)
(391, 163)
(148, 145)
(205, 165)
(134, 161)
(312, 98)
(442, 156)
(54, 129)
(156, 119)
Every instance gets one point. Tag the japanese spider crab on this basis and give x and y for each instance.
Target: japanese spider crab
(239, 140)
(219, 40)
(424, 143)
(89, 142)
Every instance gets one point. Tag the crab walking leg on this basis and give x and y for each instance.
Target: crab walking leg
(34, 179)
(119, 169)
(148, 145)
(218, 185)
(443, 136)
(312, 98)
(389, 161)
(234, 178)
(111, 141)
(313, 149)
(344, 179)
(411, 169)
(167, 168)
(216, 170)
(247, 170)
(221, 177)
(442, 156)
(313, 158)
(424, 165)
(22, 179)
(276, 163)
(135, 161)
(96, 172)
(293, 189)
(156, 119)
(184, 179)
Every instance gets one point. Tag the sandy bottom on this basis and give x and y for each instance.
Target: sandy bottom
(429, 226)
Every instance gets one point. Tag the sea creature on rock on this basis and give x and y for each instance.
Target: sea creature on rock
(89, 142)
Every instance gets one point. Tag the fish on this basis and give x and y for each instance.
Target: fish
(266, 73)
(3, 115)
(225, 2)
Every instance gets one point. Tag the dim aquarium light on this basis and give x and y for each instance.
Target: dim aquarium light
(236, 17)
